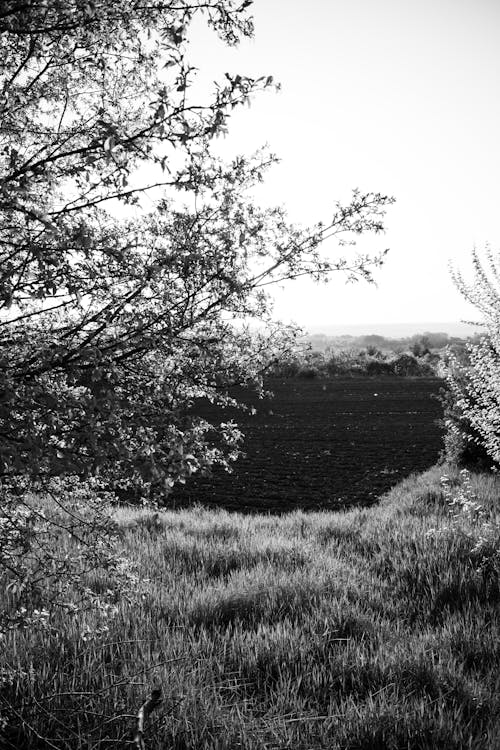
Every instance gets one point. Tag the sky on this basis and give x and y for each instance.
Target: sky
(393, 96)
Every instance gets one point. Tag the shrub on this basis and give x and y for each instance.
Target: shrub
(473, 522)
(406, 364)
(461, 442)
(379, 367)
(473, 409)
(55, 551)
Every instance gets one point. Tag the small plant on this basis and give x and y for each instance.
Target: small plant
(471, 519)
(463, 500)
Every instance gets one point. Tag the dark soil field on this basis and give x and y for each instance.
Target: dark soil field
(326, 444)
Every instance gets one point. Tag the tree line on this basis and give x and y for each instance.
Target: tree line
(355, 363)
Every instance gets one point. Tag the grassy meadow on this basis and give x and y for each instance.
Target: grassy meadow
(356, 630)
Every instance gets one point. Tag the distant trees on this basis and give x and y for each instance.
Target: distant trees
(373, 340)
(420, 347)
(422, 342)
(352, 362)
(473, 398)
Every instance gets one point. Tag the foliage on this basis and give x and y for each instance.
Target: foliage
(48, 549)
(327, 630)
(461, 441)
(352, 362)
(472, 521)
(118, 315)
(473, 417)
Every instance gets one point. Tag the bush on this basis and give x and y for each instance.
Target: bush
(473, 412)
(462, 443)
(379, 367)
(406, 364)
(473, 522)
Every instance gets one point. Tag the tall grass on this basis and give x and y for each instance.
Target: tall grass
(357, 630)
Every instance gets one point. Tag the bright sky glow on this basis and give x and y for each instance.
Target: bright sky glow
(394, 96)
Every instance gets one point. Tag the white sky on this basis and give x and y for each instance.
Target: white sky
(395, 96)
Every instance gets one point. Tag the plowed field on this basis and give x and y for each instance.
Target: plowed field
(326, 444)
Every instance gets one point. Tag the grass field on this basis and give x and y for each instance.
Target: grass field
(326, 444)
(356, 630)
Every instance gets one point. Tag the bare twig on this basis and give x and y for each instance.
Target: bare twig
(145, 710)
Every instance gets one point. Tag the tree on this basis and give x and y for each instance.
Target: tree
(407, 365)
(420, 346)
(117, 317)
(472, 404)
